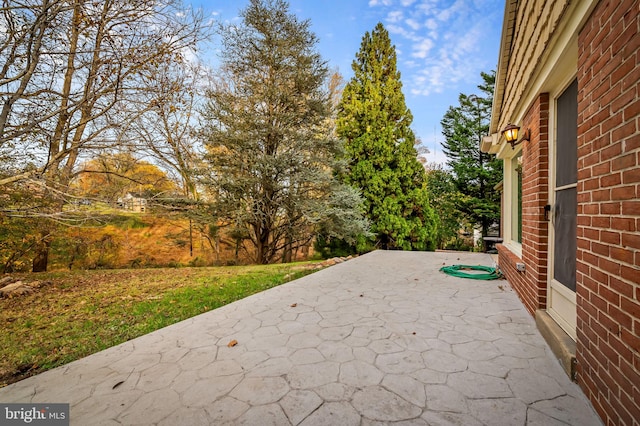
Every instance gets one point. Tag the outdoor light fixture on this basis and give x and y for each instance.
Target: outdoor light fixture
(510, 133)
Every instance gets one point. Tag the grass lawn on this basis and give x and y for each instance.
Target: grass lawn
(78, 313)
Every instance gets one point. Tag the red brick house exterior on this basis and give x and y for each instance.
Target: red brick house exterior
(568, 72)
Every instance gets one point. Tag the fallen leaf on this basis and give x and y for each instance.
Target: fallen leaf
(232, 343)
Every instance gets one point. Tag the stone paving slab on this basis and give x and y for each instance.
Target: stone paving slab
(383, 339)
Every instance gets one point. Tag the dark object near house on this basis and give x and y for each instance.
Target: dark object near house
(490, 244)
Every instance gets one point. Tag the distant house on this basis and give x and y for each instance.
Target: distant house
(568, 77)
(133, 202)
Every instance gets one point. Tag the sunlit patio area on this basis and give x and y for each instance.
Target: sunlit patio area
(384, 338)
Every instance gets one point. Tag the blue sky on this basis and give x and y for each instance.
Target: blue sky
(442, 46)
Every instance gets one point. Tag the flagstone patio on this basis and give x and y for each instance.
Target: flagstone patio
(384, 338)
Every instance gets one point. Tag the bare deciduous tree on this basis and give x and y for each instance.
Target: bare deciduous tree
(75, 74)
(166, 131)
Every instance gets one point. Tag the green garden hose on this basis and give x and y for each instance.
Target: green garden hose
(456, 271)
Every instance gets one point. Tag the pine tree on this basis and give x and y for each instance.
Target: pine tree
(374, 122)
(475, 173)
(271, 156)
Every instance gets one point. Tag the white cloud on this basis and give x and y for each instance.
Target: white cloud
(413, 24)
(422, 48)
(431, 24)
(452, 11)
(442, 40)
(395, 16)
(403, 32)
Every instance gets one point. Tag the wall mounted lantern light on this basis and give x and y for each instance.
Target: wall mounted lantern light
(510, 133)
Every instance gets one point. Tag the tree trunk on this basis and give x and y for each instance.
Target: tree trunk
(190, 238)
(41, 257)
(287, 253)
(384, 241)
(262, 247)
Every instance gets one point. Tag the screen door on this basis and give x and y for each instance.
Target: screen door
(562, 298)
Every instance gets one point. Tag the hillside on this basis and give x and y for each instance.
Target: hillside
(139, 240)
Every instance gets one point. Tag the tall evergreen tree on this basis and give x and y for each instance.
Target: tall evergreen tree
(475, 173)
(271, 155)
(374, 121)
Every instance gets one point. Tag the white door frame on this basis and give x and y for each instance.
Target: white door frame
(561, 301)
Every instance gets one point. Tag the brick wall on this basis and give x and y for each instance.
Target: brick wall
(608, 255)
(535, 195)
(518, 280)
(531, 285)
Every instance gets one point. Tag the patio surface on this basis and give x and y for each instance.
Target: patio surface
(381, 339)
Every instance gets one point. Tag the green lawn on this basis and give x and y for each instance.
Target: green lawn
(78, 313)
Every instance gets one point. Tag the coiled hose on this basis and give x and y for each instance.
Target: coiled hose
(457, 271)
